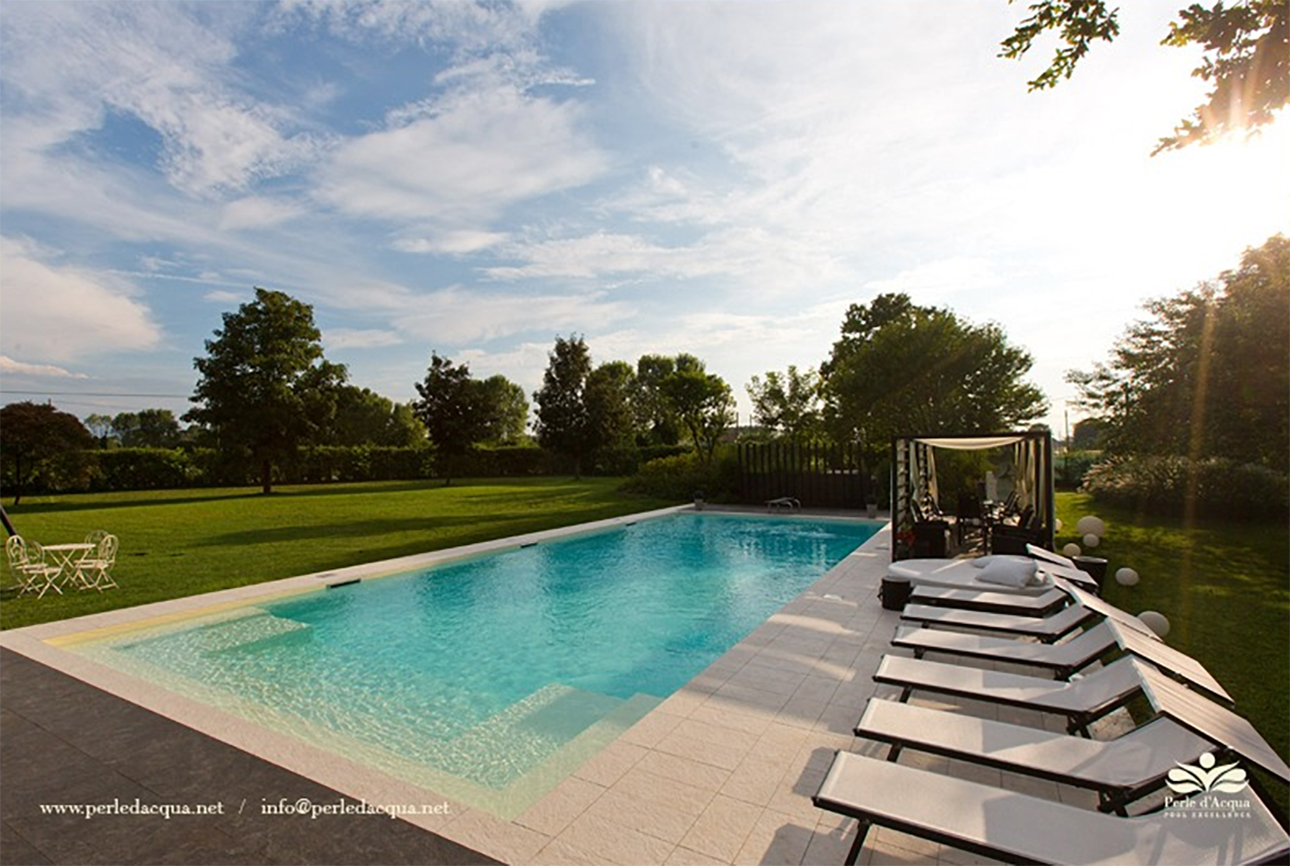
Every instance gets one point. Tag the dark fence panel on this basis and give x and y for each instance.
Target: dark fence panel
(817, 475)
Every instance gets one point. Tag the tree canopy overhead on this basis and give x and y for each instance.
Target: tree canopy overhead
(264, 386)
(1246, 58)
(899, 368)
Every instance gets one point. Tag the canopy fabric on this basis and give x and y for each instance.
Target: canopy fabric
(972, 444)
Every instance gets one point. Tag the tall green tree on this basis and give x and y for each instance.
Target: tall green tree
(788, 403)
(264, 387)
(899, 368)
(506, 410)
(364, 417)
(702, 401)
(451, 408)
(147, 428)
(654, 418)
(1245, 57)
(609, 406)
(1208, 374)
(562, 419)
(40, 442)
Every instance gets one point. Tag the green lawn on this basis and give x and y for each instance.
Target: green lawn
(1225, 587)
(176, 543)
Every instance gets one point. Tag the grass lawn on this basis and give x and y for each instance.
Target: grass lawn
(1225, 587)
(177, 543)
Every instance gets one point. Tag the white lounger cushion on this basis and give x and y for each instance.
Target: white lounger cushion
(1138, 757)
(958, 574)
(1023, 827)
(1052, 626)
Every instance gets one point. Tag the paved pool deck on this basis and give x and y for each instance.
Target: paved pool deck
(721, 772)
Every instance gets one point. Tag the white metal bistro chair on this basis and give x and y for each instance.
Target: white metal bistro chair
(27, 561)
(94, 570)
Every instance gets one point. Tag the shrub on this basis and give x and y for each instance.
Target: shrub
(1072, 467)
(144, 469)
(682, 476)
(1159, 484)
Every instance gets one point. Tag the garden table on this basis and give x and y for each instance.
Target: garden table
(64, 556)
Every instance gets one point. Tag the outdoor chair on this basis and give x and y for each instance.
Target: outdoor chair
(1121, 770)
(1082, 701)
(94, 570)
(1045, 628)
(1018, 828)
(27, 562)
(990, 601)
(94, 536)
(1067, 657)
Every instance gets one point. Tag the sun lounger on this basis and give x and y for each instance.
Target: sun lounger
(1046, 628)
(1120, 770)
(1015, 827)
(964, 574)
(993, 602)
(1081, 701)
(1105, 608)
(1063, 659)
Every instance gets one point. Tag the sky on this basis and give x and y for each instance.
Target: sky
(476, 179)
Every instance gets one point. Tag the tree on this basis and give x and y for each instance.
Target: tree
(41, 442)
(703, 403)
(609, 406)
(451, 408)
(100, 427)
(1245, 49)
(148, 428)
(1208, 374)
(787, 403)
(561, 401)
(364, 417)
(506, 411)
(899, 368)
(653, 417)
(264, 386)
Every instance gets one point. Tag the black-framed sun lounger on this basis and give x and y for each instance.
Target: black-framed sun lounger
(1081, 701)
(1120, 770)
(1018, 828)
(1212, 721)
(1066, 657)
(1046, 628)
(991, 602)
(1062, 659)
(1105, 608)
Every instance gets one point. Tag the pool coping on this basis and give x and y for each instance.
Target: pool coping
(541, 834)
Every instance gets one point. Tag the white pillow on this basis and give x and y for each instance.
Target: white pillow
(983, 561)
(1018, 571)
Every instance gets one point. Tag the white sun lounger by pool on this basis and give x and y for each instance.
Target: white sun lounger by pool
(1120, 770)
(992, 602)
(1046, 628)
(1022, 829)
(1081, 701)
(1066, 657)
(960, 574)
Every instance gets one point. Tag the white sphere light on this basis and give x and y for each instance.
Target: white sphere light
(1155, 621)
(1072, 550)
(1126, 577)
(1058, 524)
(1091, 540)
(1090, 525)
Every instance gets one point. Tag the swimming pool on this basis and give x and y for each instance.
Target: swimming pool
(489, 679)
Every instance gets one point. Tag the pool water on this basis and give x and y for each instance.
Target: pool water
(489, 679)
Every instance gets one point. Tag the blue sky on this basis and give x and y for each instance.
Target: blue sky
(474, 179)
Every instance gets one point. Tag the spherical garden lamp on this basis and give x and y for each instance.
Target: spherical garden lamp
(1091, 540)
(1057, 524)
(1155, 621)
(1126, 577)
(1090, 525)
(1072, 550)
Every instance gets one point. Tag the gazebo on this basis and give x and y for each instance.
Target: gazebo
(1009, 507)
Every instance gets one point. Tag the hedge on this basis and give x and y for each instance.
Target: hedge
(1160, 485)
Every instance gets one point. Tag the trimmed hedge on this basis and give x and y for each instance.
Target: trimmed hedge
(681, 476)
(1159, 484)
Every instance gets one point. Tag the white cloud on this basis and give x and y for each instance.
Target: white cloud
(9, 365)
(220, 296)
(54, 313)
(255, 212)
(479, 153)
(451, 242)
(354, 338)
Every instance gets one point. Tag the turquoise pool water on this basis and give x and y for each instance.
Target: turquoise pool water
(478, 674)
